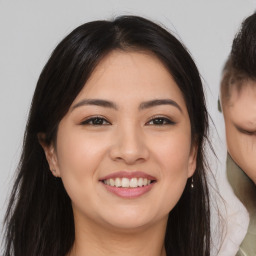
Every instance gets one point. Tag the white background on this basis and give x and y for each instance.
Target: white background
(29, 31)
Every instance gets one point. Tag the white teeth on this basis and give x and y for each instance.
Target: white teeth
(112, 182)
(118, 182)
(127, 183)
(133, 183)
(140, 182)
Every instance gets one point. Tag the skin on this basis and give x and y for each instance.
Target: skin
(240, 121)
(129, 138)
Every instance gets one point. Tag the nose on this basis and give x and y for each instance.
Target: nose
(129, 146)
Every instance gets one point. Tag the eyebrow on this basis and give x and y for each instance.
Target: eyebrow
(142, 106)
(157, 102)
(95, 102)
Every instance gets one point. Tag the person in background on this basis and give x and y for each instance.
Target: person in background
(238, 103)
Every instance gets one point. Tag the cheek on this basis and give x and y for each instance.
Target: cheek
(242, 149)
(172, 156)
(247, 144)
(78, 157)
(232, 139)
(245, 154)
(78, 150)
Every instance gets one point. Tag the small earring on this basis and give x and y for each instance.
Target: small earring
(192, 183)
(54, 173)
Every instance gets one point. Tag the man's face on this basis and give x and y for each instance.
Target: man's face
(240, 120)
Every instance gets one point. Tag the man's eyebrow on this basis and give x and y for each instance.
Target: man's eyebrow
(95, 102)
(157, 102)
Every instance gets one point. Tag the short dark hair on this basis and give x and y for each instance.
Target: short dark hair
(40, 210)
(241, 64)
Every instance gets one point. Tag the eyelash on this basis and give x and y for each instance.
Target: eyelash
(163, 121)
(247, 132)
(98, 121)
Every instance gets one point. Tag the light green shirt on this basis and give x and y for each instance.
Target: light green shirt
(245, 190)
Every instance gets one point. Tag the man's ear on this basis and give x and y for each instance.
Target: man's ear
(50, 154)
(192, 159)
(219, 105)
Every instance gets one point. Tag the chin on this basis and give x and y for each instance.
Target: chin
(130, 226)
(251, 175)
(131, 220)
(250, 171)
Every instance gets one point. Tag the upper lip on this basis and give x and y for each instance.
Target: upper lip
(128, 174)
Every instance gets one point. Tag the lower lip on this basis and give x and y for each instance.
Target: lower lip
(129, 192)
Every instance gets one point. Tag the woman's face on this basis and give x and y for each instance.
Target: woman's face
(124, 149)
(240, 121)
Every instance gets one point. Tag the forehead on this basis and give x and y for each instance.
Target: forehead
(241, 106)
(125, 75)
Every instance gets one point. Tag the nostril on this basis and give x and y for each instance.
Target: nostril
(129, 155)
(128, 146)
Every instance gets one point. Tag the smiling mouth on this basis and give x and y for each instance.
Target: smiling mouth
(128, 183)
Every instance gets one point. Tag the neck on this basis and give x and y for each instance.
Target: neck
(242, 185)
(96, 240)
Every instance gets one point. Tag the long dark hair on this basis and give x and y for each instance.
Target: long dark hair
(39, 219)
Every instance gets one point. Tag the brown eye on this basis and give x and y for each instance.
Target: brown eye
(95, 121)
(160, 121)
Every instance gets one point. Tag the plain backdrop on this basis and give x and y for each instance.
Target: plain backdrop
(29, 31)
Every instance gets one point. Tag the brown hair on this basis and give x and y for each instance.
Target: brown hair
(241, 64)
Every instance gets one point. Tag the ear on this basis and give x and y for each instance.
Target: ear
(192, 159)
(50, 154)
(219, 105)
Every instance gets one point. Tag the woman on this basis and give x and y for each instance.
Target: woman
(119, 119)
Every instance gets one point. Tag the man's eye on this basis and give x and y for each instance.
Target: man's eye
(95, 121)
(248, 132)
(160, 121)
